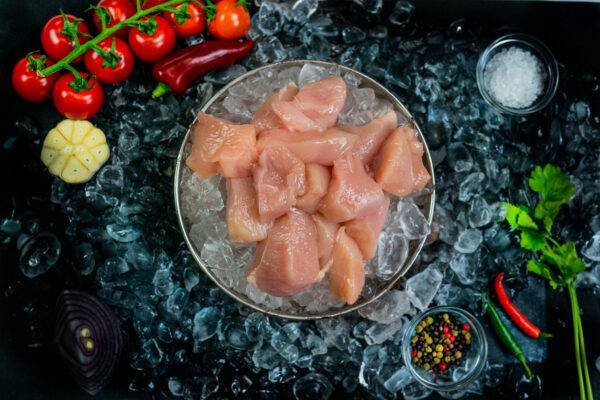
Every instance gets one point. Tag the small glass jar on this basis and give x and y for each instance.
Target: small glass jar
(535, 47)
(460, 376)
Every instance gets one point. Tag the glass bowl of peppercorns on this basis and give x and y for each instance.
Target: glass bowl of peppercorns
(444, 348)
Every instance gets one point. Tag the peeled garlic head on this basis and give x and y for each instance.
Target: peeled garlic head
(74, 150)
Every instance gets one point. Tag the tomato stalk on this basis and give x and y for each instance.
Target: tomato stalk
(80, 84)
(81, 49)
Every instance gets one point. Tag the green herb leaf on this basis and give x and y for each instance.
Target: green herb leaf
(210, 10)
(555, 189)
(565, 258)
(541, 269)
(532, 240)
(519, 217)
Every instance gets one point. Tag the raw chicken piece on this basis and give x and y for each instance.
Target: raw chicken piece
(365, 230)
(326, 231)
(286, 262)
(278, 179)
(242, 212)
(312, 146)
(219, 146)
(265, 118)
(317, 181)
(351, 193)
(347, 272)
(399, 166)
(372, 135)
(316, 106)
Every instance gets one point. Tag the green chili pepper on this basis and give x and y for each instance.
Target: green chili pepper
(505, 336)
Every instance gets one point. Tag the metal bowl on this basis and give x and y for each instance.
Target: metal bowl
(415, 246)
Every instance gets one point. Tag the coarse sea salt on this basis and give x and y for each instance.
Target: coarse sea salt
(514, 77)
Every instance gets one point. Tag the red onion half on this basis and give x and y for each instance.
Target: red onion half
(88, 338)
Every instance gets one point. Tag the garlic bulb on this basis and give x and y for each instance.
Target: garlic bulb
(74, 150)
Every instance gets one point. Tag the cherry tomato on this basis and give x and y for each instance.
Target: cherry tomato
(75, 104)
(193, 25)
(116, 67)
(152, 45)
(27, 83)
(228, 19)
(56, 43)
(146, 4)
(118, 10)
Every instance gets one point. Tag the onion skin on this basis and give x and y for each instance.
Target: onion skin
(88, 338)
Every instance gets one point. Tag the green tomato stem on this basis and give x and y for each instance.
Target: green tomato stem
(82, 49)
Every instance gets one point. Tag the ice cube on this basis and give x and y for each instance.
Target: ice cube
(389, 308)
(190, 278)
(398, 380)
(353, 34)
(591, 249)
(313, 386)
(392, 251)
(422, 287)
(468, 241)
(402, 13)
(459, 157)
(479, 212)
(415, 391)
(176, 387)
(123, 233)
(303, 9)
(411, 220)
(84, 254)
(217, 254)
(176, 302)
(270, 18)
(205, 323)
(379, 333)
(471, 185)
(464, 267)
(39, 253)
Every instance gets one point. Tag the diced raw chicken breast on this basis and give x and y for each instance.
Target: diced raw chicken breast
(317, 180)
(278, 179)
(219, 146)
(347, 272)
(372, 135)
(326, 231)
(242, 212)
(316, 106)
(264, 118)
(286, 261)
(312, 146)
(351, 193)
(399, 166)
(365, 230)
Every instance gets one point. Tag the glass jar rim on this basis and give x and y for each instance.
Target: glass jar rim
(546, 58)
(482, 349)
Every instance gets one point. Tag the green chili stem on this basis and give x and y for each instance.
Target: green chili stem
(59, 65)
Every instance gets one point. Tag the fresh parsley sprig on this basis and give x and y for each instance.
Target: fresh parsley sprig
(556, 262)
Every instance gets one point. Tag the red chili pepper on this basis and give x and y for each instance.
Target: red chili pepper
(466, 327)
(178, 70)
(514, 313)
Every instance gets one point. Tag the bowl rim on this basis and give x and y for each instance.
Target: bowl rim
(477, 369)
(548, 60)
(382, 92)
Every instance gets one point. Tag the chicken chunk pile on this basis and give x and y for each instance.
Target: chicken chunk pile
(313, 196)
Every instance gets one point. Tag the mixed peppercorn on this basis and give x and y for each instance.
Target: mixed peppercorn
(440, 342)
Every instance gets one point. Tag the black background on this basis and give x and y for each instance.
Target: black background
(571, 30)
